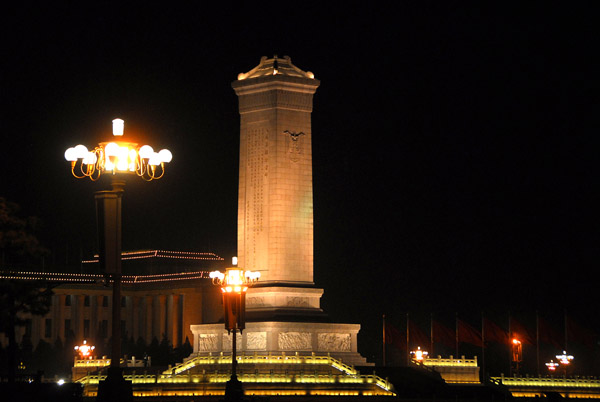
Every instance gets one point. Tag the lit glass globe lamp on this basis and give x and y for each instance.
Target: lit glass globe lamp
(118, 156)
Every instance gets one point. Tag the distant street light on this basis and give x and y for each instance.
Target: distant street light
(234, 283)
(419, 355)
(552, 365)
(119, 159)
(565, 360)
(517, 353)
(84, 349)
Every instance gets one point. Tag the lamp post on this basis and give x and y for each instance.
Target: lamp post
(84, 350)
(419, 355)
(551, 366)
(118, 159)
(234, 283)
(516, 353)
(565, 360)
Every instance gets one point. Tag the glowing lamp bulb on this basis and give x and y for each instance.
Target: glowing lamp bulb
(90, 158)
(234, 261)
(165, 155)
(81, 151)
(154, 159)
(118, 127)
(71, 154)
(111, 149)
(146, 152)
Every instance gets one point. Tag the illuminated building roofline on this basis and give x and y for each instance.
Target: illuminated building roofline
(96, 278)
(136, 255)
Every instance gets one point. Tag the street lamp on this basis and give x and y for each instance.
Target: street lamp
(517, 353)
(234, 283)
(119, 159)
(419, 355)
(565, 360)
(84, 350)
(552, 365)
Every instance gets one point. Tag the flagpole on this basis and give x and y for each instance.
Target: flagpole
(566, 332)
(383, 321)
(431, 334)
(510, 369)
(456, 332)
(537, 340)
(407, 341)
(482, 346)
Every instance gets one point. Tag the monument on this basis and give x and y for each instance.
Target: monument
(275, 222)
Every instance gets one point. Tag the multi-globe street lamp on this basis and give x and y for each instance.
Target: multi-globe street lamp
(234, 283)
(119, 159)
(84, 350)
(565, 360)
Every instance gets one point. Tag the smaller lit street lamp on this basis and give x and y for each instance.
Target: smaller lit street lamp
(234, 283)
(565, 360)
(118, 159)
(552, 365)
(516, 353)
(84, 350)
(419, 355)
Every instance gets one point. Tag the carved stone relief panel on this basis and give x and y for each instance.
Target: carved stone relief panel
(256, 301)
(228, 341)
(207, 342)
(334, 342)
(297, 301)
(294, 341)
(256, 341)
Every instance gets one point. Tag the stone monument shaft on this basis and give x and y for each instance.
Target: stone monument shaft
(275, 205)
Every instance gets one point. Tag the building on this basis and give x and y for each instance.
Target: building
(162, 296)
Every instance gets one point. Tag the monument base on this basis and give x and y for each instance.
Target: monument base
(303, 338)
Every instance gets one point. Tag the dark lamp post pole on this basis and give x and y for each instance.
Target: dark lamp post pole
(116, 158)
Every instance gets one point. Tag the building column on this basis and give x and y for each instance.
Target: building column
(59, 308)
(149, 318)
(174, 320)
(135, 317)
(94, 316)
(159, 310)
(77, 317)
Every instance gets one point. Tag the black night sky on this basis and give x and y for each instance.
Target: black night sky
(454, 144)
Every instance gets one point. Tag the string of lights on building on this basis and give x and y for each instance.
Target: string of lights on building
(187, 255)
(96, 278)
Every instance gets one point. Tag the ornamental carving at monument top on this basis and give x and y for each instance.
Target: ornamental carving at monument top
(275, 66)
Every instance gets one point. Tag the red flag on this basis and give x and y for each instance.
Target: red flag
(417, 336)
(394, 337)
(518, 331)
(493, 332)
(468, 334)
(443, 334)
(577, 333)
(550, 335)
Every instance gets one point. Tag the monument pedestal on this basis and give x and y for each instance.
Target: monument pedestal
(303, 338)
